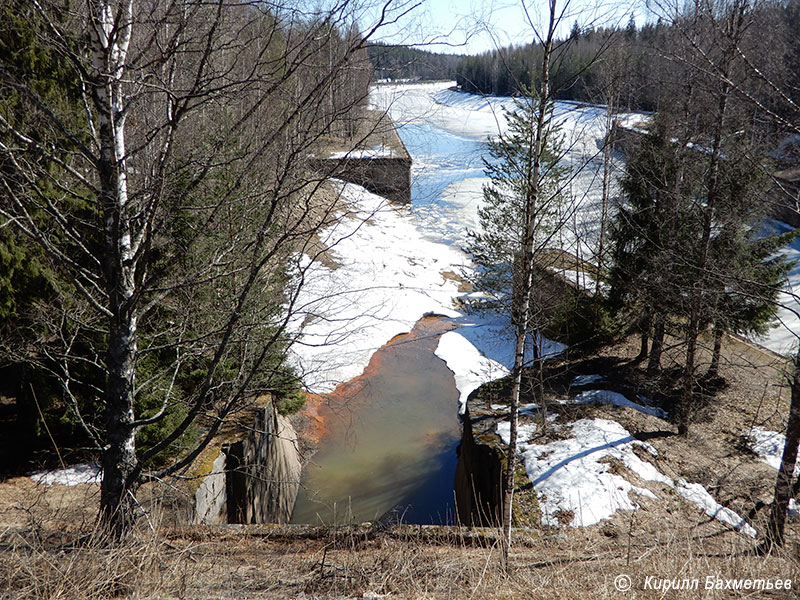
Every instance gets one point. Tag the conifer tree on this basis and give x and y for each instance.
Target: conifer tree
(498, 245)
(522, 214)
(678, 268)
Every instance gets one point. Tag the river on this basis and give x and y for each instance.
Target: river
(392, 432)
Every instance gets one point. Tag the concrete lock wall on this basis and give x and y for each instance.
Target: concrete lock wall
(379, 161)
(254, 479)
(210, 498)
(263, 472)
(387, 177)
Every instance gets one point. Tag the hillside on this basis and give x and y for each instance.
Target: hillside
(411, 64)
(665, 538)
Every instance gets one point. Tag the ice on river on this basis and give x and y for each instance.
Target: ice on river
(448, 173)
(446, 131)
(388, 277)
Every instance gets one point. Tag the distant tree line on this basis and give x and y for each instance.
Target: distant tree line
(578, 60)
(405, 62)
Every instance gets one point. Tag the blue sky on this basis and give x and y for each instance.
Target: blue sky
(471, 26)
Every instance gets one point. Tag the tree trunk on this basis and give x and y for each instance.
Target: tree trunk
(607, 149)
(511, 455)
(521, 324)
(117, 489)
(687, 394)
(774, 536)
(713, 369)
(644, 328)
(712, 191)
(110, 38)
(654, 364)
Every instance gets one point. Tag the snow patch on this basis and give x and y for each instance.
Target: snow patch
(768, 445)
(696, 493)
(583, 380)
(71, 476)
(573, 476)
(482, 350)
(470, 368)
(377, 152)
(617, 399)
(524, 431)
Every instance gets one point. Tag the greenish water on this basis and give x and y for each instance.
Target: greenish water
(391, 441)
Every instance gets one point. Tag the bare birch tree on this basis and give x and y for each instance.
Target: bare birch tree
(524, 273)
(187, 158)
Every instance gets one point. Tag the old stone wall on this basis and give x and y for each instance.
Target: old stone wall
(387, 177)
(479, 478)
(263, 472)
(376, 159)
(210, 498)
(252, 478)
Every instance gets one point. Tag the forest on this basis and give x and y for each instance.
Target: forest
(643, 57)
(156, 206)
(409, 63)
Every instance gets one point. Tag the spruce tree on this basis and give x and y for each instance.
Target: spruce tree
(680, 266)
(498, 246)
(651, 230)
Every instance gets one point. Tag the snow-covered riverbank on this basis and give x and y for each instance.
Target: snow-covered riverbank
(396, 263)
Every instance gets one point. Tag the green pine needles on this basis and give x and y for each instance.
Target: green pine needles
(517, 191)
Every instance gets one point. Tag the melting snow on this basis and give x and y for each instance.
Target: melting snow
(377, 152)
(482, 350)
(568, 475)
(582, 380)
(71, 476)
(783, 337)
(694, 492)
(389, 277)
(574, 476)
(470, 368)
(524, 431)
(616, 399)
(769, 446)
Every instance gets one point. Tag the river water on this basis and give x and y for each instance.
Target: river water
(392, 433)
(391, 439)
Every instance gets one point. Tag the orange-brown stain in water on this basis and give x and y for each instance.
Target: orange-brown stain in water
(325, 411)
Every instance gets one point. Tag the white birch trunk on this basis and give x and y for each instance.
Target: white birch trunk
(521, 321)
(110, 38)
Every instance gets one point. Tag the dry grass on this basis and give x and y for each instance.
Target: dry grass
(407, 562)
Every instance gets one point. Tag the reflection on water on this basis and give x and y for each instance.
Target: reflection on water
(391, 439)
